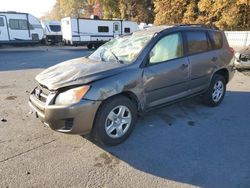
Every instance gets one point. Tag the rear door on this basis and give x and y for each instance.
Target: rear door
(167, 73)
(202, 59)
(3, 29)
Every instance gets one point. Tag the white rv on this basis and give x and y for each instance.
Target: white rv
(52, 31)
(94, 32)
(19, 28)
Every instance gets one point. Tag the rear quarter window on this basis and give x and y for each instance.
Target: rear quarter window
(217, 40)
(197, 42)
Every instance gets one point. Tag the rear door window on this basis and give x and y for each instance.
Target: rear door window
(216, 38)
(197, 42)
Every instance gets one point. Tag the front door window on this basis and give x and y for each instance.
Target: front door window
(167, 48)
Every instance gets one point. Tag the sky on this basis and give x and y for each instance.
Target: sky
(35, 7)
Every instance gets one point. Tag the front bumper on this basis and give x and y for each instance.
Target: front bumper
(74, 119)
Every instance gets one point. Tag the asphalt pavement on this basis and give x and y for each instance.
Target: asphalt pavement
(183, 145)
(22, 58)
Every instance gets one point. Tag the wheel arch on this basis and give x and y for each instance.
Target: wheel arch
(130, 95)
(223, 72)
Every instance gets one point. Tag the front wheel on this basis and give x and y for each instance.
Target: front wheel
(115, 120)
(216, 91)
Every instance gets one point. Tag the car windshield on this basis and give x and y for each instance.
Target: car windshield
(124, 49)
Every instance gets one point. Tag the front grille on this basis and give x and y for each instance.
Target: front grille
(38, 99)
(41, 93)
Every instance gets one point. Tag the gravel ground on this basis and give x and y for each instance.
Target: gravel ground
(182, 145)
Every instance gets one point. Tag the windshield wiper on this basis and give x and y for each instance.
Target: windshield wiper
(116, 58)
(101, 56)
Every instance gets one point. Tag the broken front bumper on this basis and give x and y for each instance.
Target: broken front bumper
(75, 119)
(242, 64)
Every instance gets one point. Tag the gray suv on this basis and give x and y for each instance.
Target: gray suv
(103, 93)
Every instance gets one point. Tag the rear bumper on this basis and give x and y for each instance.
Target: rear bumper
(74, 119)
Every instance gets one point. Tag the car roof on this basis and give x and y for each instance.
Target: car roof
(157, 29)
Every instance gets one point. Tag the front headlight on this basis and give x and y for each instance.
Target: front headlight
(71, 96)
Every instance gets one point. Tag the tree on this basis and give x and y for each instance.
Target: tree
(225, 14)
(222, 13)
(136, 10)
(98, 8)
(111, 9)
(169, 11)
(191, 12)
(244, 13)
(65, 8)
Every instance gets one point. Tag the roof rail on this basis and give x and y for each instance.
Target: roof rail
(209, 26)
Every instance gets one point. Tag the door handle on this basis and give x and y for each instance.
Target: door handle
(214, 59)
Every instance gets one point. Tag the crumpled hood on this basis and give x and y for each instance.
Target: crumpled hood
(76, 71)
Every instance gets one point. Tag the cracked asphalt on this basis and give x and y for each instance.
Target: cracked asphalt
(183, 145)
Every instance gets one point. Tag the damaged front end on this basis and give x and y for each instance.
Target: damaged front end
(242, 59)
(75, 118)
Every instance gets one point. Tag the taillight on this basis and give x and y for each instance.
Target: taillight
(231, 50)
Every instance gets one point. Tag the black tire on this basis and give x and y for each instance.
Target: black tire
(97, 45)
(99, 132)
(90, 46)
(208, 96)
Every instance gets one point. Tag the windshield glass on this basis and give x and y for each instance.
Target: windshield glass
(123, 50)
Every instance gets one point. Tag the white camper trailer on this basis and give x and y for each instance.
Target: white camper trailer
(52, 31)
(94, 32)
(19, 28)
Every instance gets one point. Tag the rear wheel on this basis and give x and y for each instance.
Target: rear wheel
(90, 46)
(115, 120)
(216, 92)
(97, 45)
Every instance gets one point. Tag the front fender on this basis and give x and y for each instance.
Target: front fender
(128, 81)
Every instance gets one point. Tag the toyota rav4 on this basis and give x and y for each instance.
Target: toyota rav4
(103, 93)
